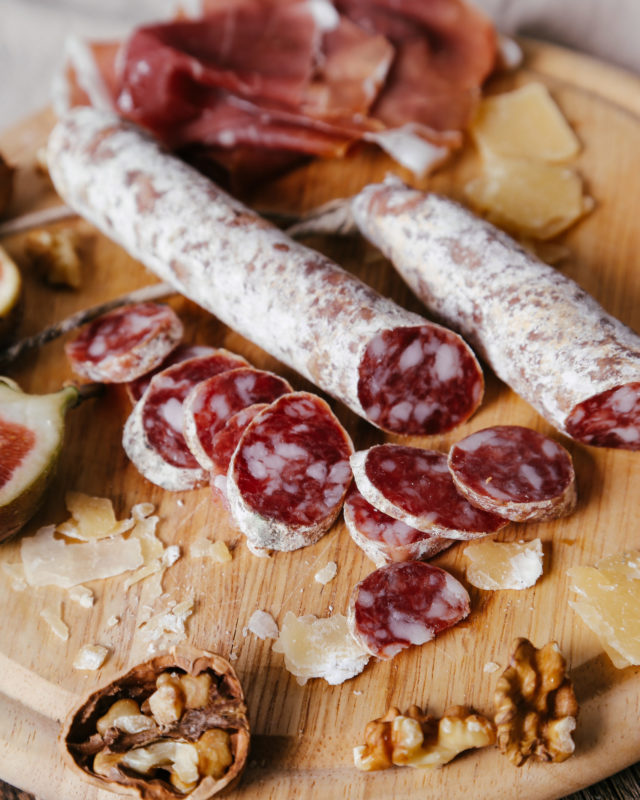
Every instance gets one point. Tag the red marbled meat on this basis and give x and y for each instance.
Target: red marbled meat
(213, 401)
(289, 473)
(183, 352)
(125, 343)
(385, 539)
(225, 441)
(415, 486)
(403, 604)
(153, 437)
(515, 472)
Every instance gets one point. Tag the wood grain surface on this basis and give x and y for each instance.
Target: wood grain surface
(303, 735)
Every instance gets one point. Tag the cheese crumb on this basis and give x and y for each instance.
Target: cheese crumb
(491, 666)
(82, 595)
(504, 565)
(167, 628)
(320, 648)
(263, 625)
(170, 555)
(113, 620)
(90, 656)
(259, 552)
(53, 618)
(327, 573)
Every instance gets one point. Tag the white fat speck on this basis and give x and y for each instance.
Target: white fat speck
(401, 412)
(623, 401)
(447, 364)
(388, 465)
(423, 410)
(476, 440)
(365, 598)
(550, 448)
(98, 347)
(339, 472)
(627, 434)
(410, 630)
(324, 14)
(529, 474)
(373, 412)
(290, 450)
(317, 471)
(411, 356)
(171, 413)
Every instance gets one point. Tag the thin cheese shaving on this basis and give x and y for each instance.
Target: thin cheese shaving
(504, 565)
(81, 595)
(53, 618)
(206, 548)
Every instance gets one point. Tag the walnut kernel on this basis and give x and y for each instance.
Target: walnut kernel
(54, 255)
(536, 707)
(417, 740)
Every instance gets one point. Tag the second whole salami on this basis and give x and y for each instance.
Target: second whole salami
(392, 367)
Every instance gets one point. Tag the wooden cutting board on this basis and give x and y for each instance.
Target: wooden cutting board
(303, 735)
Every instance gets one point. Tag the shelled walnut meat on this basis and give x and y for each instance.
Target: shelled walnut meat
(536, 707)
(172, 727)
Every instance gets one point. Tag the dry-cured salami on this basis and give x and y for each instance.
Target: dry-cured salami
(415, 486)
(153, 437)
(540, 332)
(212, 402)
(403, 604)
(385, 539)
(289, 473)
(389, 365)
(125, 343)
(515, 472)
(183, 352)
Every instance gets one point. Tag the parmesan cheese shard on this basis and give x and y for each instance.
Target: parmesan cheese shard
(167, 628)
(320, 648)
(90, 657)
(524, 123)
(608, 603)
(53, 618)
(49, 561)
(81, 595)
(263, 625)
(327, 573)
(15, 573)
(532, 198)
(94, 517)
(217, 551)
(504, 565)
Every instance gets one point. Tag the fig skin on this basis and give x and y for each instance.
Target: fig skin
(138, 683)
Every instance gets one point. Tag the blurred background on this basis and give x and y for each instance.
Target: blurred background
(32, 34)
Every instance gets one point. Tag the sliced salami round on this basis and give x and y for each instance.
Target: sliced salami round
(415, 486)
(152, 435)
(403, 604)
(183, 352)
(289, 473)
(385, 539)
(212, 402)
(125, 343)
(515, 472)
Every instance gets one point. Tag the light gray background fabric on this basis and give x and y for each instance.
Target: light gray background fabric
(32, 33)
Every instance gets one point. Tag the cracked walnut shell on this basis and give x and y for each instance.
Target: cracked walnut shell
(417, 740)
(172, 727)
(536, 707)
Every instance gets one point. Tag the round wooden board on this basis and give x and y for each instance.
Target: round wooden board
(303, 735)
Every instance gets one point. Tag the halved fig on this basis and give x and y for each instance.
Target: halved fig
(31, 435)
(175, 726)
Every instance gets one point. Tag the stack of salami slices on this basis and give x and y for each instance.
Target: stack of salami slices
(279, 458)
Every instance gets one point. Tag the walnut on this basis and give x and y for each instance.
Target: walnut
(172, 726)
(536, 707)
(54, 255)
(417, 740)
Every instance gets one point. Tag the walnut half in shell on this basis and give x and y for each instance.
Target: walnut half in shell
(173, 727)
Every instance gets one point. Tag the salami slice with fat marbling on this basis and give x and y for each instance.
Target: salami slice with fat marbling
(415, 486)
(385, 539)
(289, 473)
(183, 352)
(402, 604)
(153, 437)
(393, 367)
(542, 334)
(515, 472)
(125, 343)
(211, 403)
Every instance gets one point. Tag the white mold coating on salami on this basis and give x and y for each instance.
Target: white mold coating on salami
(542, 334)
(385, 539)
(405, 604)
(153, 437)
(416, 487)
(289, 473)
(125, 343)
(292, 301)
(212, 402)
(515, 472)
